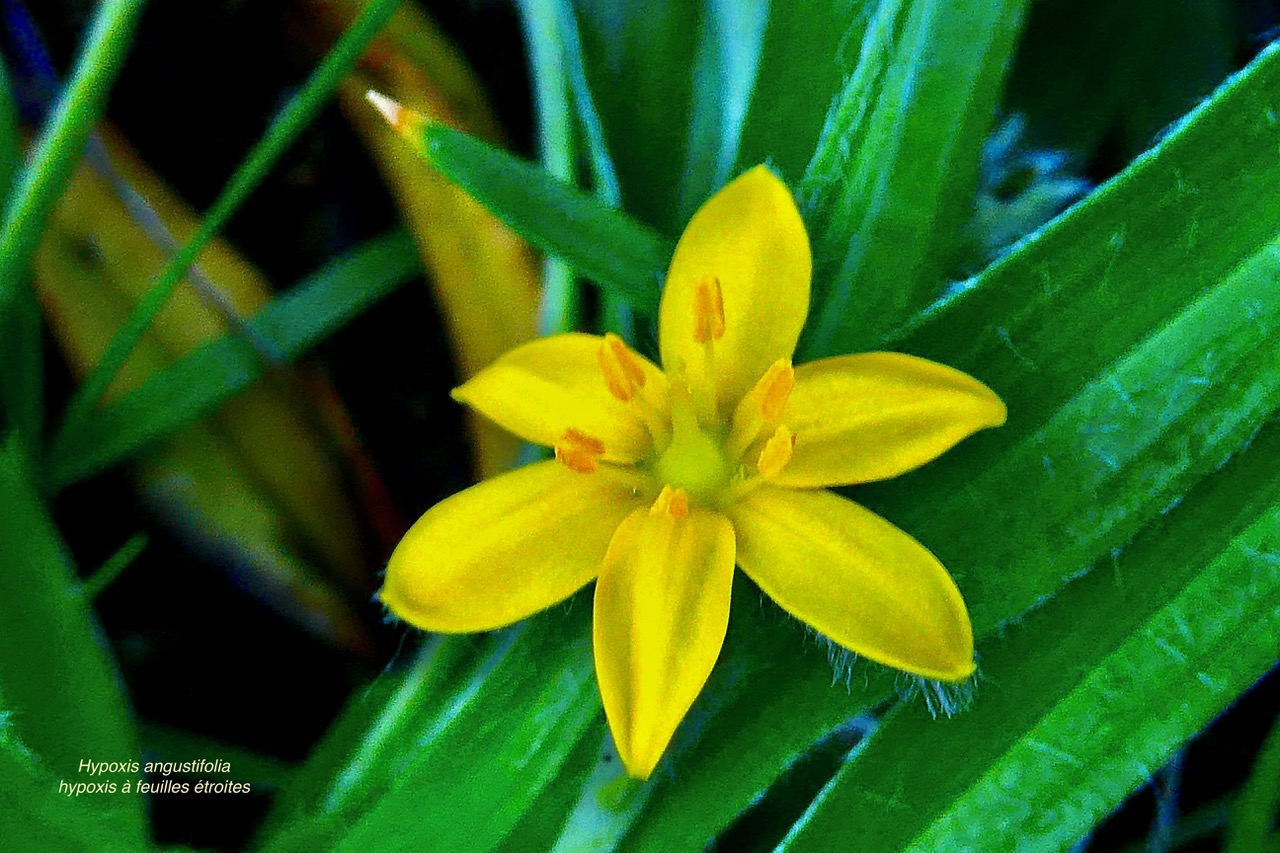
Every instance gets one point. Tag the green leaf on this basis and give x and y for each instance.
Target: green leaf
(55, 676)
(806, 55)
(639, 58)
(672, 82)
(600, 243)
(1128, 447)
(412, 747)
(559, 307)
(283, 131)
(726, 62)
(10, 135)
(30, 203)
(57, 149)
(47, 819)
(604, 173)
(893, 178)
(1083, 699)
(198, 383)
(1111, 272)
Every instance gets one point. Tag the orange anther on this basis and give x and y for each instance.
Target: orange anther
(623, 374)
(673, 503)
(708, 311)
(777, 453)
(775, 389)
(578, 451)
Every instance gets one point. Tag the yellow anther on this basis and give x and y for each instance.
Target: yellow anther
(673, 503)
(578, 451)
(623, 374)
(762, 406)
(708, 311)
(776, 453)
(775, 389)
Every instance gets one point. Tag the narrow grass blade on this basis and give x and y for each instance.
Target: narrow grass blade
(58, 148)
(559, 307)
(196, 384)
(601, 244)
(367, 783)
(284, 130)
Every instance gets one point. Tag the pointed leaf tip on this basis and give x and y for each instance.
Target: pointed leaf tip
(390, 109)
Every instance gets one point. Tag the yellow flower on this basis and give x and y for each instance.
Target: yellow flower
(665, 479)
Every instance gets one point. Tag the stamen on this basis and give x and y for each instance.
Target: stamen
(762, 406)
(673, 503)
(772, 461)
(578, 451)
(622, 371)
(708, 311)
(776, 386)
(777, 453)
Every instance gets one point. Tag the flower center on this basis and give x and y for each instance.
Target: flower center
(693, 461)
(699, 454)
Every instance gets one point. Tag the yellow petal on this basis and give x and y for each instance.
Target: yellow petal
(548, 387)
(506, 548)
(865, 417)
(749, 236)
(855, 578)
(662, 606)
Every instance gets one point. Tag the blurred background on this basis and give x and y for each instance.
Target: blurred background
(246, 619)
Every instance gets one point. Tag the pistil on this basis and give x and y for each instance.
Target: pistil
(693, 461)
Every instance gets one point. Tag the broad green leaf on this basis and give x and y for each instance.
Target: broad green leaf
(893, 178)
(44, 818)
(56, 678)
(600, 243)
(283, 131)
(1082, 699)
(807, 52)
(415, 745)
(196, 384)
